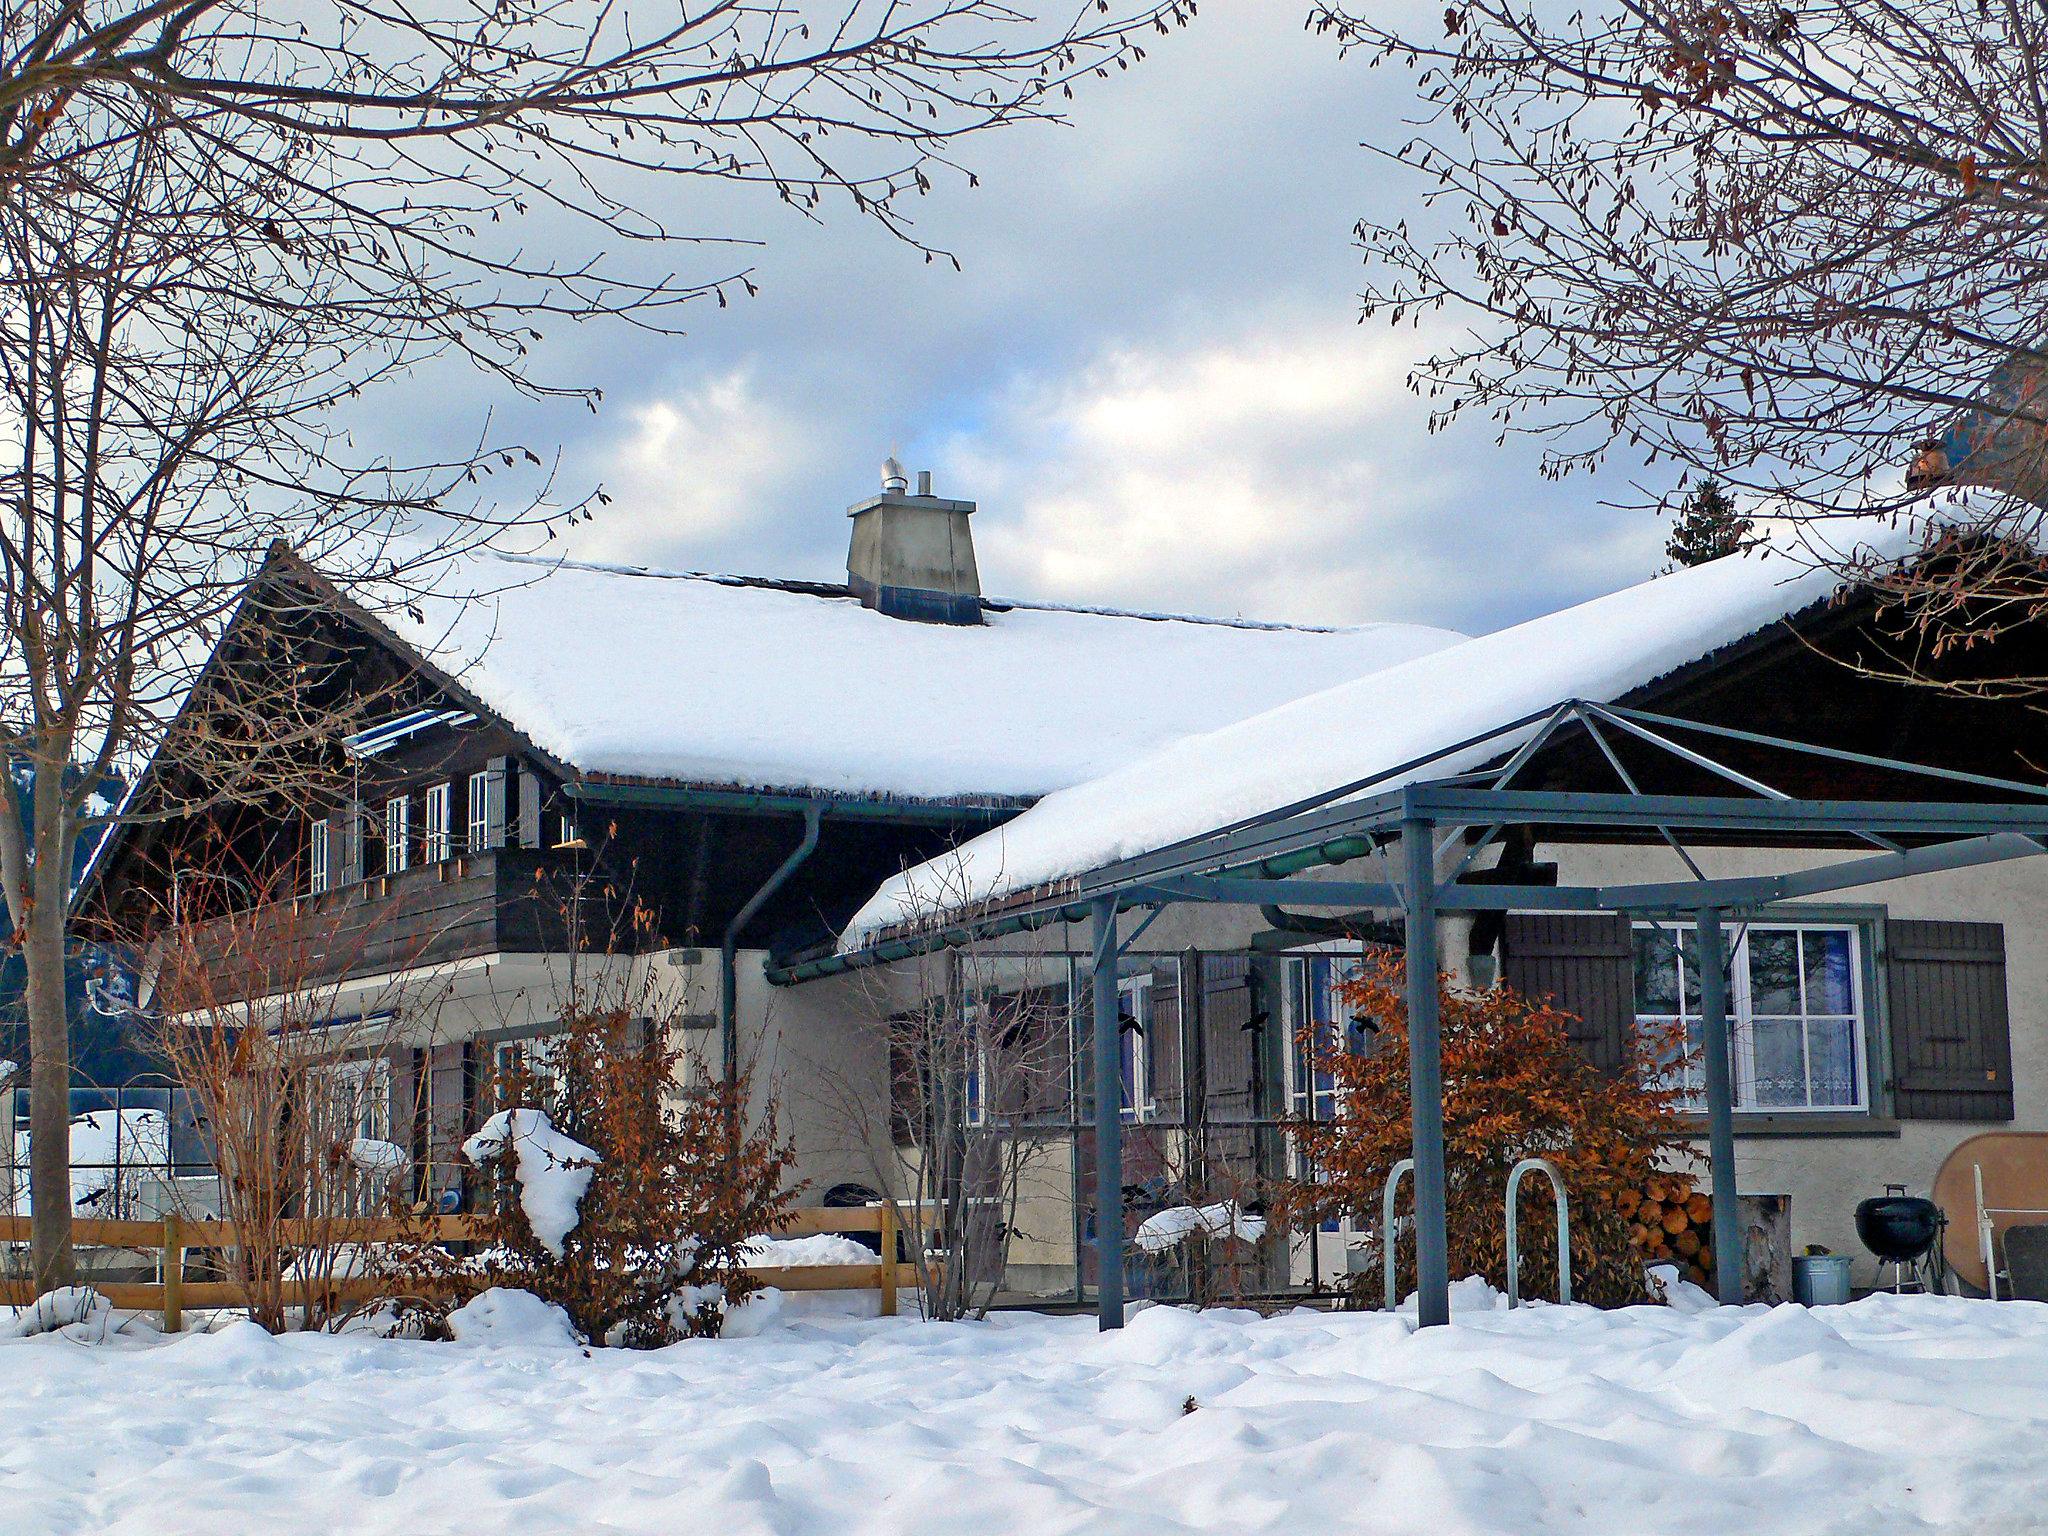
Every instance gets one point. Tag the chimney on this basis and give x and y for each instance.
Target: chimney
(912, 557)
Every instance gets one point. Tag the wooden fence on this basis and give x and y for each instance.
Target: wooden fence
(173, 1238)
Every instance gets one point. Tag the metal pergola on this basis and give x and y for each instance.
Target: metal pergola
(1258, 862)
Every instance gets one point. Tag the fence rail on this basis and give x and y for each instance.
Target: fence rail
(173, 1238)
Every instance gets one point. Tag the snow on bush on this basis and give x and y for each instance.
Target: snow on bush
(1177, 1223)
(553, 1171)
(512, 1319)
(374, 1156)
(616, 1194)
(66, 1307)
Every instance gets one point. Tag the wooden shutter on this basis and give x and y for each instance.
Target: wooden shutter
(1163, 1041)
(1233, 1042)
(1585, 965)
(529, 808)
(494, 801)
(1951, 1038)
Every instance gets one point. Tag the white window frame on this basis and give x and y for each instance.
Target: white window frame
(435, 830)
(535, 1053)
(1742, 1021)
(486, 807)
(364, 1085)
(397, 834)
(1135, 991)
(319, 855)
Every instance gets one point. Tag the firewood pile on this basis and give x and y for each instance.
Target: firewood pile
(1672, 1223)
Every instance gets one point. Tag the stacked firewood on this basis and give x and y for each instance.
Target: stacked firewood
(1672, 1223)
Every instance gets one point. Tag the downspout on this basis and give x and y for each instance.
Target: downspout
(728, 949)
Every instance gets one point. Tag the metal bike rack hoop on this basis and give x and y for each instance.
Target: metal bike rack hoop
(1406, 1165)
(1564, 1231)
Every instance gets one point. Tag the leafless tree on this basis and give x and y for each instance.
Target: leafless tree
(977, 1096)
(293, 1092)
(1801, 248)
(223, 222)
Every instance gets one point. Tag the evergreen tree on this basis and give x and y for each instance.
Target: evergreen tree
(1708, 526)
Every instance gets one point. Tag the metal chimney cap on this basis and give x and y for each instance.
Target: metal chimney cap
(894, 480)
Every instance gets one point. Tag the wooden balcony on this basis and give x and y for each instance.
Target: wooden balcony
(503, 901)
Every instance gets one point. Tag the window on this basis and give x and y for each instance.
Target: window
(397, 834)
(1795, 1013)
(538, 1059)
(318, 835)
(569, 837)
(486, 810)
(359, 1099)
(436, 840)
(1311, 1090)
(355, 1105)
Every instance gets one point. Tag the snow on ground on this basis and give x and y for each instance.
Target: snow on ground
(1905, 1414)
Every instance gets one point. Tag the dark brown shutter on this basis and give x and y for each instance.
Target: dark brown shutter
(1233, 1044)
(1585, 965)
(1951, 1039)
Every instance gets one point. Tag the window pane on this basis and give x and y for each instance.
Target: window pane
(1674, 1054)
(1773, 971)
(1656, 971)
(1689, 953)
(1779, 1060)
(1827, 973)
(1831, 1048)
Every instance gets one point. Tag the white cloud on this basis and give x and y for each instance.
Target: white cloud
(1265, 472)
(697, 465)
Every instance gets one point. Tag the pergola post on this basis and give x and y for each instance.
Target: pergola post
(1109, 1125)
(1710, 953)
(1425, 1075)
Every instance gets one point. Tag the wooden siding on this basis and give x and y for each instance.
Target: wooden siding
(1950, 1034)
(473, 904)
(1585, 965)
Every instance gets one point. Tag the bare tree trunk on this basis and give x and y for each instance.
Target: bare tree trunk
(41, 924)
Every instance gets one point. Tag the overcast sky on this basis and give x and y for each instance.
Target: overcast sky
(1149, 374)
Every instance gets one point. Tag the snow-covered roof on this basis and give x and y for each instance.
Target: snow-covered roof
(699, 679)
(1417, 711)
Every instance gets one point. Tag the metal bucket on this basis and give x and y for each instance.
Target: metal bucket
(1820, 1279)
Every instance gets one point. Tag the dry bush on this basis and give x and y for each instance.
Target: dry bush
(977, 1094)
(680, 1184)
(1514, 1086)
(285, 1087)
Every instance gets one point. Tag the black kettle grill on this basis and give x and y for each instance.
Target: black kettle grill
(1904, 1231)
(1896, 1226)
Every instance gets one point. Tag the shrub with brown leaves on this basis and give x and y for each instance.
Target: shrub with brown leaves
(1514, 1086)
(680, 1184)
